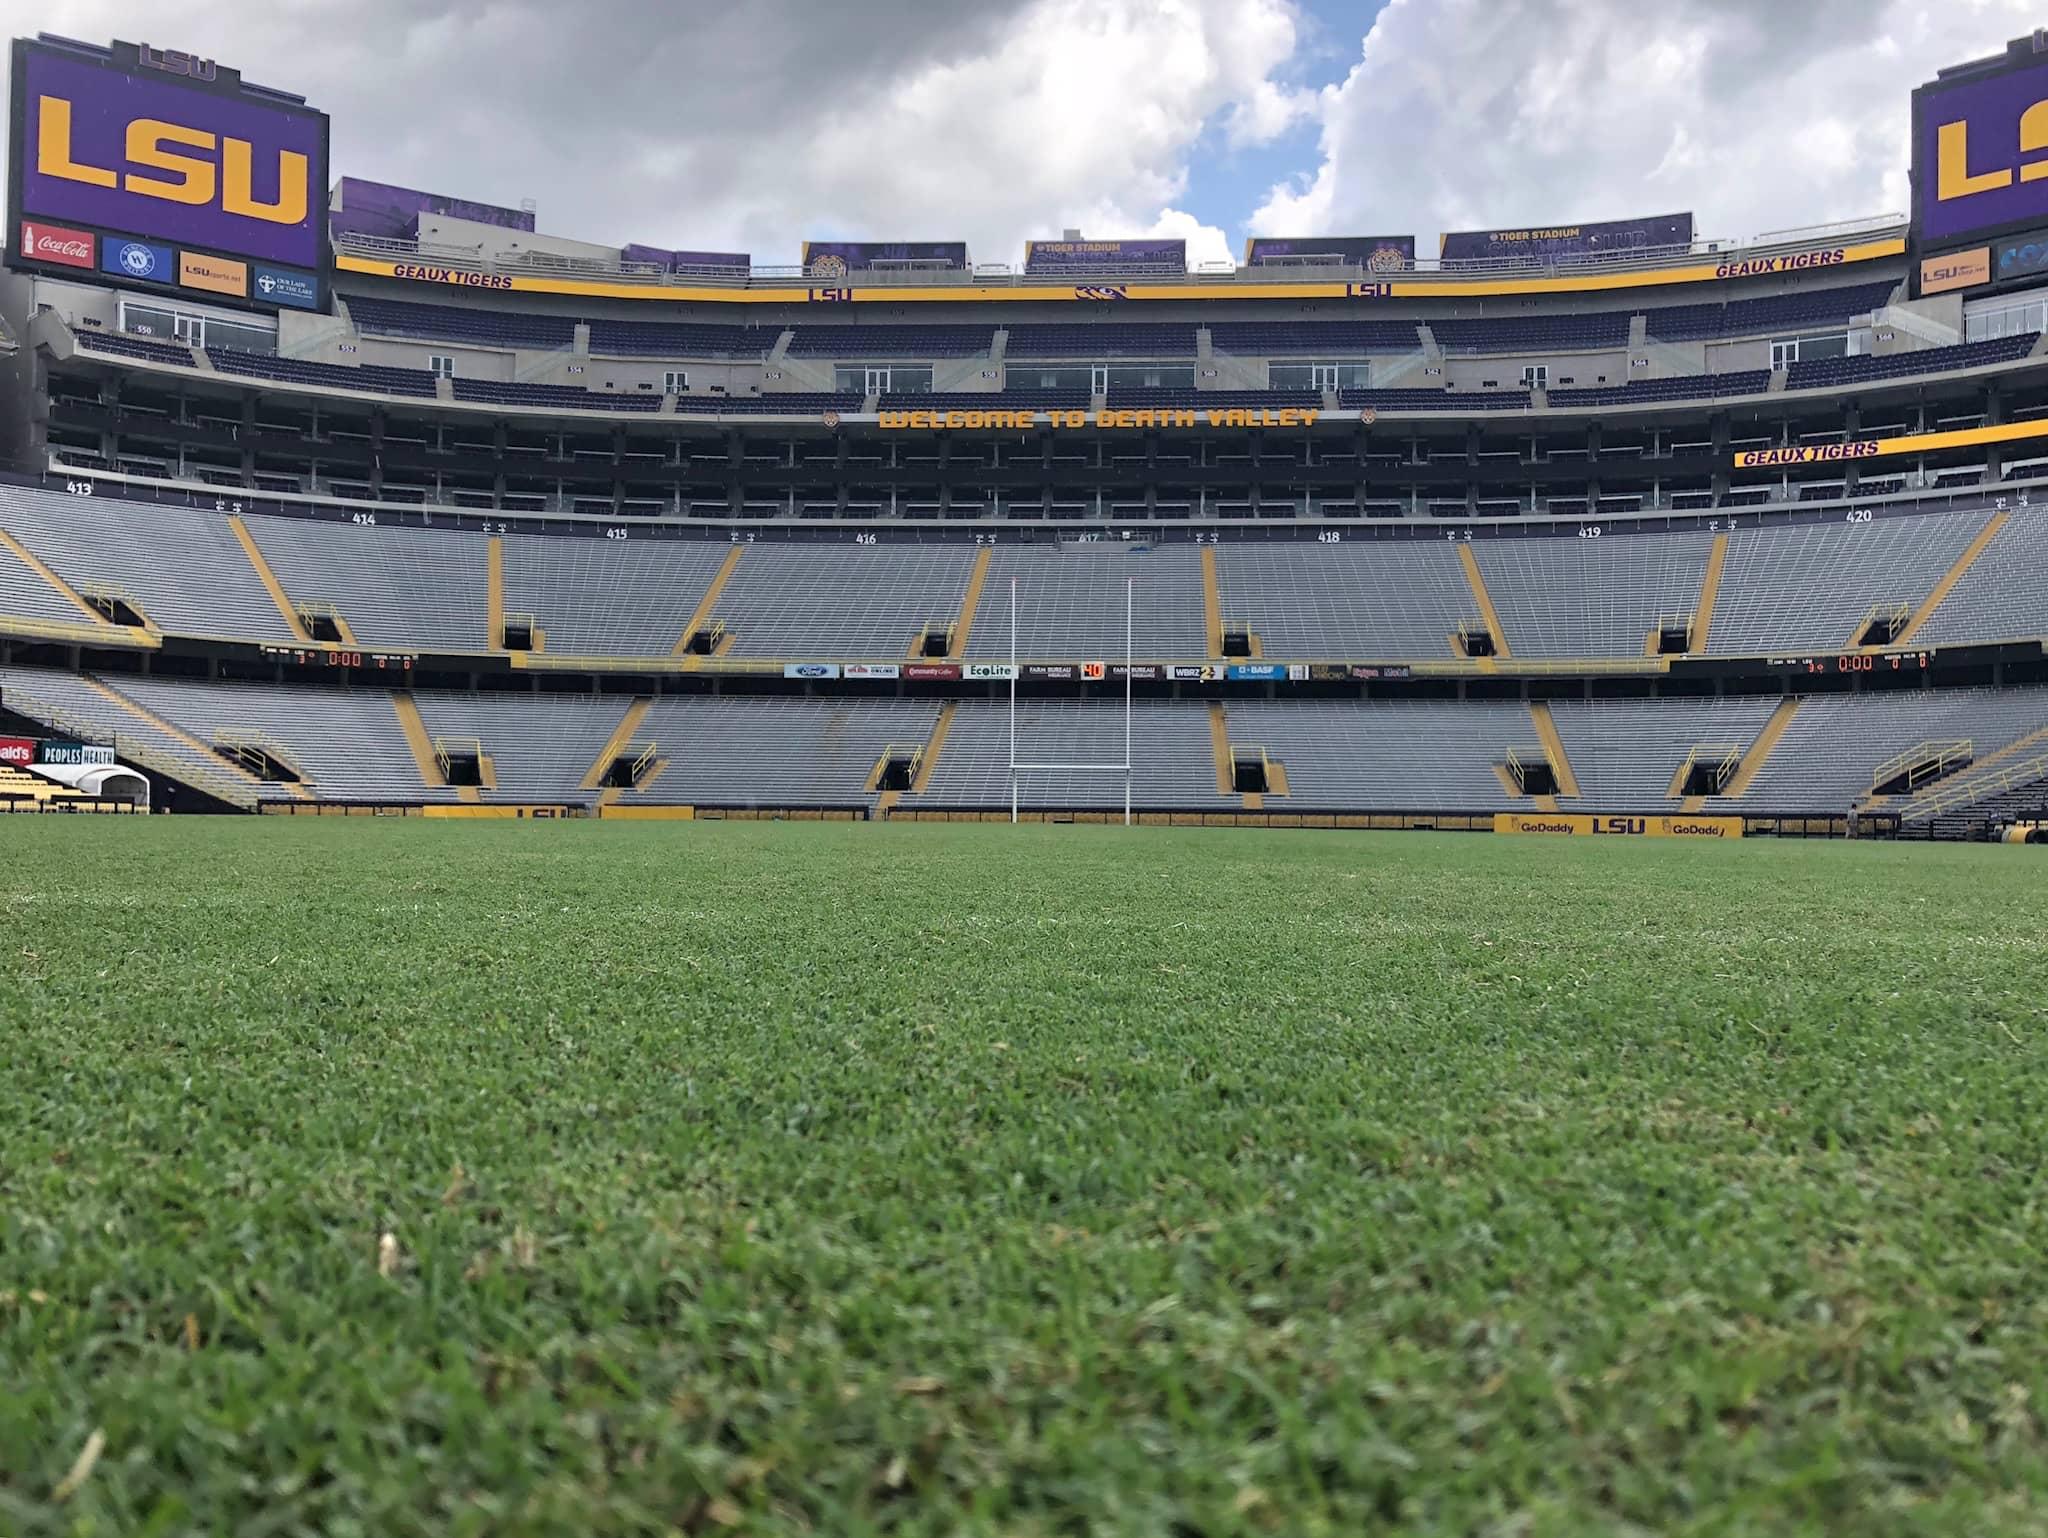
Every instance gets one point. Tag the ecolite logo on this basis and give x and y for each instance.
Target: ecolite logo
(56, 243)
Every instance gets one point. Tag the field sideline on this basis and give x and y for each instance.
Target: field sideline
(816, 1178)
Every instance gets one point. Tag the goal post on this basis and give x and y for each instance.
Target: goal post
(1022, 766)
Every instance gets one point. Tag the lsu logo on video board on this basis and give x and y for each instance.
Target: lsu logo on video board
(168, 155)
(1980, 151)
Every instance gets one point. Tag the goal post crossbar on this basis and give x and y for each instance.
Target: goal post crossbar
(1019, 766)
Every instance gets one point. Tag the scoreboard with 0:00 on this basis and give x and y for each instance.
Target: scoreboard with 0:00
(311, 657)
(1859, 662)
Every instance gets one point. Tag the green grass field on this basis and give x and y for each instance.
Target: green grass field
(931, 1180)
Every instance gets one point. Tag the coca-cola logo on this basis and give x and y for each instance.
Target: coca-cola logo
(55, 243)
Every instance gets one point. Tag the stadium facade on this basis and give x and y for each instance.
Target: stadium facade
(346, 495)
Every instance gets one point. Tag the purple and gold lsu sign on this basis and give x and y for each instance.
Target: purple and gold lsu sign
(142, 142)
(1980, 150)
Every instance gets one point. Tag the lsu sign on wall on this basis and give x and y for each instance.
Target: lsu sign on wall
(144, 144)
(1980, 149)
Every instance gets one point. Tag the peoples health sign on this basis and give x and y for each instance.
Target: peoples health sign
(149, 147)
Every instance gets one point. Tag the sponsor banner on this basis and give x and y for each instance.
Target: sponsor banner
(837, 258)
(1255, 672)
(739, 262)
(378, 208)
(999, 672)
(214, 274)
(1590, 280)
(1110, 421)
(1137, 672)
(2020, 256)
(810, 670)
(1975, 153)
(1810, 454)
(1103, 255)
(1375, 253)
(1580, 825)
(872, 670)
(1958, 269)
(1094, 672)
(282, 285)
(1050, 672)
(1199, 673)
(129, 143)
(1798, 261)
(425, 272)
(18, 751)
(929, 672)
(1612, 237)
(1328, 672)
(76, 753)
(1368, 674)
(138, 261)
(55, 243)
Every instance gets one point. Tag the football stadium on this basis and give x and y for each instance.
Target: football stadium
(1267, 1043)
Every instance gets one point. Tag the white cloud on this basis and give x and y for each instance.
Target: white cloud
(1756, 114)
(751, 127)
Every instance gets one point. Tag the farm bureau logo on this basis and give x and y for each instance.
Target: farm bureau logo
(455, 275)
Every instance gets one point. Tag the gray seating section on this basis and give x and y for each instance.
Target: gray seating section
(1625, 753)
(182, 566)
(29, 691)
(347, 742)
(1173, 762)
(2004, 594)
(601, 598)
(540, 747)
(395, 587)
(1388, 755)
(1784, 590)
(1071, 601)
(740, 752)
(1575, 597)
(1824, 762)
(1384, 599)
(26, 595)
(861, 603)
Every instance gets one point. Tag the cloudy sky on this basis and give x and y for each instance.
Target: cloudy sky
(752, 125)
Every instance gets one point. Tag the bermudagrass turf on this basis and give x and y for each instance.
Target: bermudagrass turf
(929, 1180)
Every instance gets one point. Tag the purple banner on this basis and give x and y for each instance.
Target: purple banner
(378, 208)
(1104, 255)
(1615, 237)
(1969, 176)
(147, 153)
(1375, 253)
(721, 261)
(836, 258)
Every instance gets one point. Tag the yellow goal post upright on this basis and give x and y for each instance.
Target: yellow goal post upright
(1022, 766)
